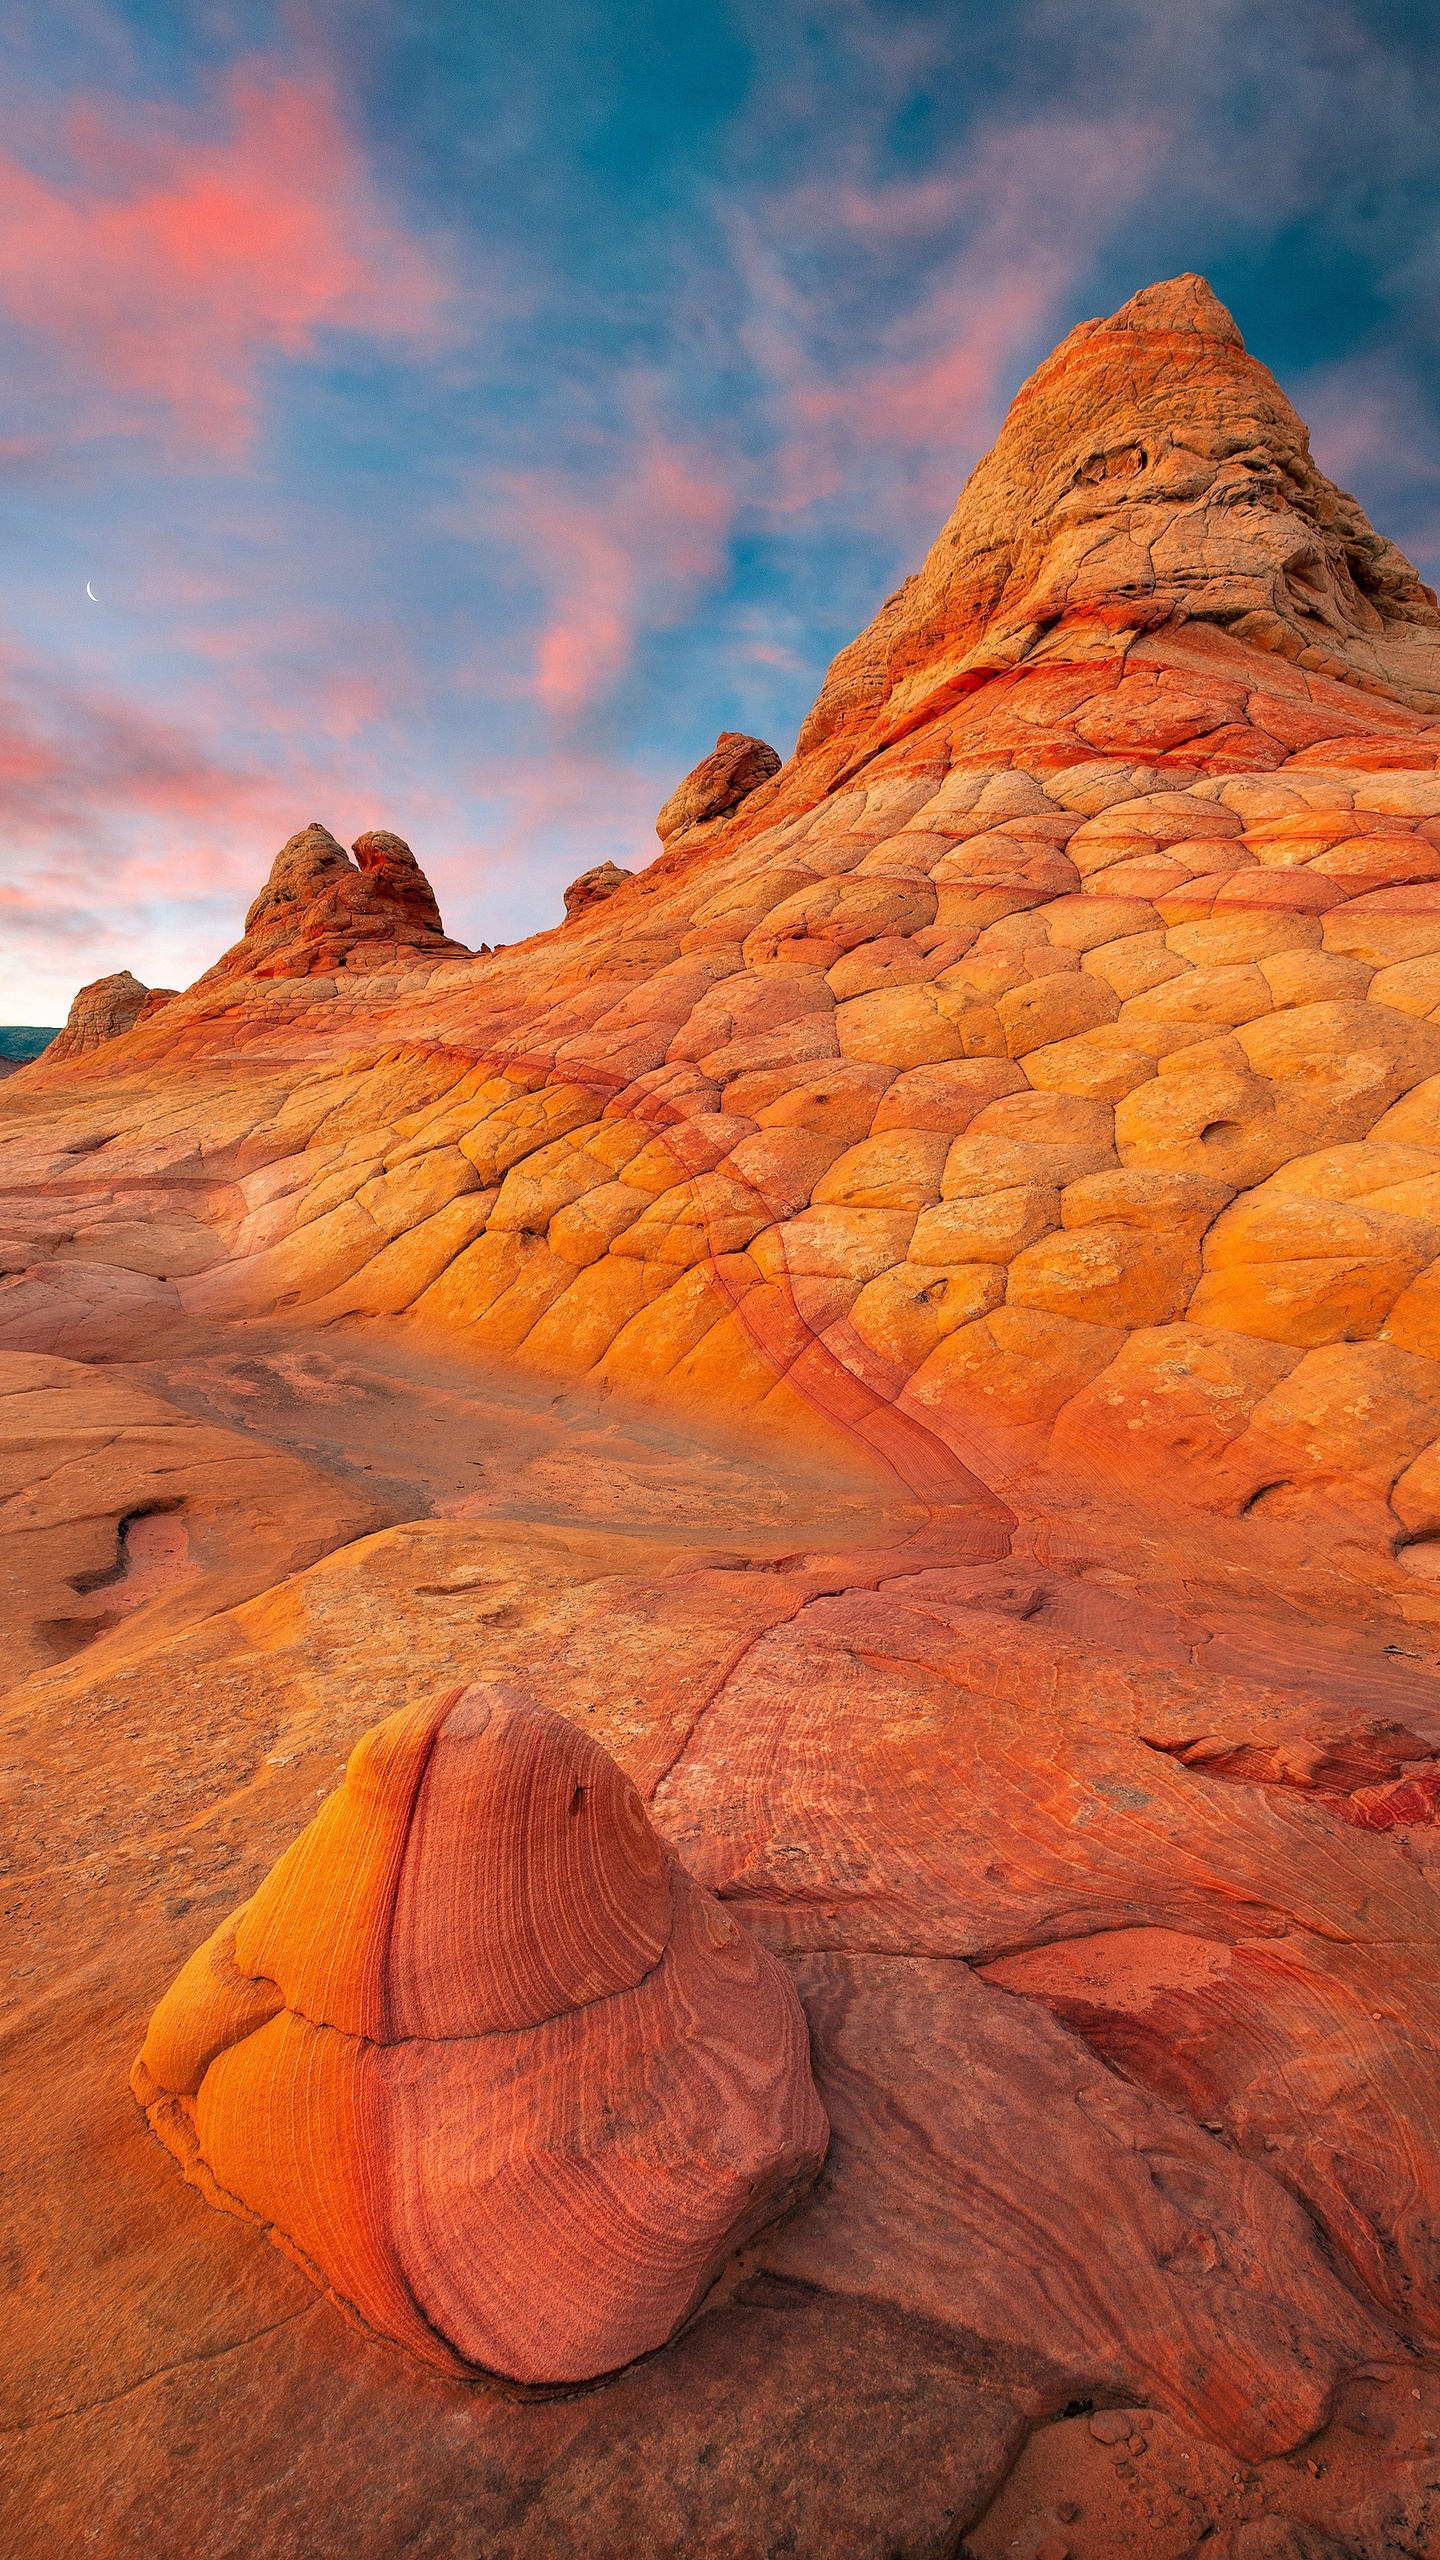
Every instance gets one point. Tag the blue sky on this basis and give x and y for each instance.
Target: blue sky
(464, 412)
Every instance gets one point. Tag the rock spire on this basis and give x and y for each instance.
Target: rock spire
(1150, 464)
(319, 912)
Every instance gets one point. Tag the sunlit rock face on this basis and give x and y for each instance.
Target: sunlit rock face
(717, 785)
(481, 2056)
(100, 1012)
(594, 886)
(1042, 1062)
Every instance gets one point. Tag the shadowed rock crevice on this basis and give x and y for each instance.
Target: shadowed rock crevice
(1385, 1779)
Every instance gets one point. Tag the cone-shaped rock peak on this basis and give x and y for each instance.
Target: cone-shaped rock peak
(1149, 467)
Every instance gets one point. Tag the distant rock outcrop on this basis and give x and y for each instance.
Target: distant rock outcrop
(319, 912)
(99, 1013)
(482, 2055)
(593, 887)
(718, 784)
(21, 1043)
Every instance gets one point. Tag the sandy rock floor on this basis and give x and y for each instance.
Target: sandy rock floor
(1021, 2230)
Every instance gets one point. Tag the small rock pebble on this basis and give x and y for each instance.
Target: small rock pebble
(1111, 2426)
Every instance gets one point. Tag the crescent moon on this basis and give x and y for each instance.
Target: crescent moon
(89, 590)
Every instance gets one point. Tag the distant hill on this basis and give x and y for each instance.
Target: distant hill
(20, 1041)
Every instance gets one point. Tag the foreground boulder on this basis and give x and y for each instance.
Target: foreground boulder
(484, 2059)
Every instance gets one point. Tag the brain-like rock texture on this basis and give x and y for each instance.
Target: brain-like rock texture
(483, 2057)
(1045, 1063)
(717, 784)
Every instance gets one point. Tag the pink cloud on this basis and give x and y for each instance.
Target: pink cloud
(1371, 431)
(623, 537)
(174, 261)
(1358, 418)
(551, 816)
(138, 840)
(134, 839)
(627, 543)
(70, 756)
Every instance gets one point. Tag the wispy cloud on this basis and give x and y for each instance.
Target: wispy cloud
(1371, 426)
(631, 528)
(891, 409)
(62, 746)
(130, 841)
(179, 253)
(623, 541)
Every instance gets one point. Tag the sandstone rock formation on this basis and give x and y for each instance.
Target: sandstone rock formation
(1149, 462)
(593, 886)
(717, 784)
(481, 2056)
(1059, 1085)
(914, 1329)
(100, 1012)
(319, 911)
